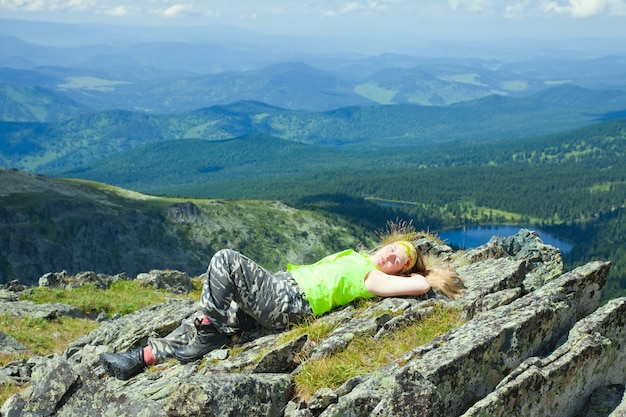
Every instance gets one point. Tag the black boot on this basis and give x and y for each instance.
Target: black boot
(123, 365)
(207, 339)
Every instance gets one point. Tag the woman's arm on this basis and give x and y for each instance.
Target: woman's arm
(384, 285)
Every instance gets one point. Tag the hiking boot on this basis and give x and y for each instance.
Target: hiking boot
(123, 365)
(207, 339)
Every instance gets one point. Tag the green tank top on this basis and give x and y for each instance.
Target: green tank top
(333, 281)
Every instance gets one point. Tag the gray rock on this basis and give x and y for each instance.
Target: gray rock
(13, 286)
(567, 382)
(543, 262)
(231, 395)
(297, 409)
(53, 279)
(281, 359)
(49, 311)
(65, 280)
(9, 345)
(535, 342)
(173, 281)
(322, 399)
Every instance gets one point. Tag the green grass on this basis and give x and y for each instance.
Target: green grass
(315, 330)
(8, 390)
(366, 354)
(42, 336)
(122, 297)
(374, 92)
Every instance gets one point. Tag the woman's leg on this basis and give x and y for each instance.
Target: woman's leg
(164, 347)
(273, 301)
(234, 280)
(125, 365)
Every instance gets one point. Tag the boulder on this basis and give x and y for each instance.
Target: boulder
(48, 311)
(64, 280)
(172, 281)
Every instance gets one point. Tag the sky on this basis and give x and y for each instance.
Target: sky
(436, 19)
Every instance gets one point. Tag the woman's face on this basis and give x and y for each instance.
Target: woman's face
(390, 259)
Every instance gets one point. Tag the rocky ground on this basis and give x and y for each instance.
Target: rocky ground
(536, 343)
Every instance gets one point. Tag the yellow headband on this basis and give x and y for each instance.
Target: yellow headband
(410, 252)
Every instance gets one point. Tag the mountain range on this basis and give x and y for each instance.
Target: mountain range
(51, 147)
(106, 67)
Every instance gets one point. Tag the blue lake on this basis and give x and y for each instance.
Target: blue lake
(472, 237)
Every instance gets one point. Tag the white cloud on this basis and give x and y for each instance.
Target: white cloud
(176, 10)
(516, 10)
(116, 11)
(249, 16)
(34, 6)
(45, 5)
(212, 13)
(78, 4)
(444, 15)
(616, 7)
(381, 4)
(586, 8)
(475, 6)
(351, 7)
(361, 6)
(576, 8)
(25, 5)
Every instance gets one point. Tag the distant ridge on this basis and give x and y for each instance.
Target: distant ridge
(580, 97)
(83, 139)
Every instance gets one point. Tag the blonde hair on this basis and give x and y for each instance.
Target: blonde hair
(446, 281)
(443, 280)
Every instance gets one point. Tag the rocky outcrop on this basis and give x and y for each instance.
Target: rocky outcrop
(535, 342)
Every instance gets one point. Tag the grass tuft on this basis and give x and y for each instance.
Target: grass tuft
(402, 230)
(396, 231)
(42, 336)
(316, 330)
(122, 297)
(366, 354)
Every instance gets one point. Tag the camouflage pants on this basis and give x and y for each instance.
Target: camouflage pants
(239, 294)
(164, 347)
(273, 301)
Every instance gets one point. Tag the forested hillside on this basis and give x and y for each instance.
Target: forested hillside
(554, 167)
(34, 103)
(51, 225)
(573, 183)
(44, 147)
